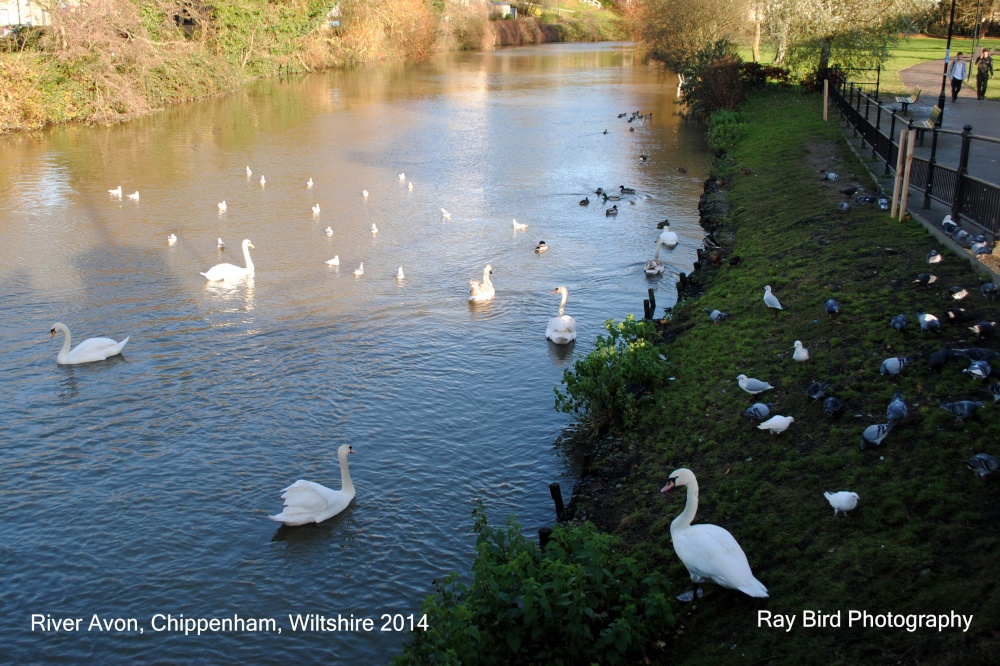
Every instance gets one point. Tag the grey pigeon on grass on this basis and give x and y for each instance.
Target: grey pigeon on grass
(758, 411)
(958, 293)
(831, 406)
(874, 434)
(928, 322)
(832, 307)
(896, 412)
(898, 322)
(989, 290)
(939, 358)
(994, 390)
(962, 409)
(818, 389)
(976, 353)
(984, 329)
(926, 279)
(979, 369)
(716, 315)
(895, 364)
(933, 257)
(982, 464)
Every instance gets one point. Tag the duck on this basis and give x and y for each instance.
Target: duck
(519, 226)
(611, 212)
(654, 266)
(88, 351)
(309, 502)
(541, 247)
(134, 196)
(374, 229)
(117, 192)
(171, 239)
(709, 552)
(626, 190)
(668, 236)
(222, 206)
(360, 270)
(482, 291)
(309, 183)
(231, 271)
(333, 262)
(315, 210)
(328, 231)
(399, 273)
(585, 201)
(562, 328)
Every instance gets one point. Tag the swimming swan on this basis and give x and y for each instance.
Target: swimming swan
(654, 266)
(562, 328)
(668, 237)
(519, 226)
(309, 502)
(88, 351)
(482, 291)
(231, 271)
(708, 551)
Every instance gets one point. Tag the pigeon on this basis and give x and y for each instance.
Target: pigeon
(896, 412)
(374, 229)
(979, 369)
(939, 358)
(925, 279)
(982, 464)
(962, 409)
(171, 239)
(831, 406)
(981, 248)
(843, 206)
(933, 257)
(333, 262)
(776, 424)
(895, 364)
(611, 212)
(957, 315)
(585, 201)
(866, 199)
(948, 225)
(818, 389)
(989, 290)
(842, 502)
(958, 293)
(874, 434)
(716, 315)
(994, 390)
(800, 353)
(961, 236)
(753, 386)
(758, 411)
(770, 300)
(829, 175)
(984, 328)
(898, 322)
(445, 215)
(852, 190)
(928, 322)
(832, 307)
(976, 354)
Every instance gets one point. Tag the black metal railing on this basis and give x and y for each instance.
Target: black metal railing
(971, 198)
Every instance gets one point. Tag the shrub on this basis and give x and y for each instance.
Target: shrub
(712, 80)
(578, 601)
(726, 129)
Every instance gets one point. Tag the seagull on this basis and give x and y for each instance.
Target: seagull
(776, 424)
(445, 215)
(831, 406)
(989, 290)
(818, 389)
(895, 364)
(984, 328)
(409, 186)
(979, 369)
(770, 300)
(249, 173)
(801, 353)
(752, 386)
(982, 464)
(874, 434)
(263, 181)
(329, 231)
(171, 239)
(958, 293)
(374, 229)
(585, 201)
(896, 411)
(518, 226)
(399, 273)
(832, 307)
(843, 501)
(925, 279)
(758, 411)
(117, 192)
(898, 322)
(716, 315)
(315, 210)
(220, 245)
(333, 262)
(962, 409)
(309, 184)
(134, 196)
(937, 359)
(402, 177)
(222, 206)
(933, 257)
(360, 270)
(928, 322)
(364, 193)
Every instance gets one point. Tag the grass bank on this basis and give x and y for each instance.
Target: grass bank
(924, 538)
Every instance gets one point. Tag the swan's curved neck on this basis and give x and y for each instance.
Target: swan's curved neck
(246, 256)
(486, 278)
(345, 475)
(562, 302)
(659, 244)
(690, 508)
(67, 340)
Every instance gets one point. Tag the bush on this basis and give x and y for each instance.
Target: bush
(579, 601)
(726, 130)
(712, 80)
(603, 388)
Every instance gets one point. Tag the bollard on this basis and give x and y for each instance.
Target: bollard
(544, 533)
(556, 493)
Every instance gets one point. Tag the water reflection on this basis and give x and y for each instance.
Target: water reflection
(561, 355)
(238, 293)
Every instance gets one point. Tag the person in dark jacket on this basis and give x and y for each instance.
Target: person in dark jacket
(984, 70)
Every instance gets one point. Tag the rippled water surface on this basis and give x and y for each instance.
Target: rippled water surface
(142, 485)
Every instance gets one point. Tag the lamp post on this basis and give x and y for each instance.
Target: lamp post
(944, 76)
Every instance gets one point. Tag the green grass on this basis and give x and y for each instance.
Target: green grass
(925, 536)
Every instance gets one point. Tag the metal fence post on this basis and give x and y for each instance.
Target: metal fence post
(878, 120)
(931, 163)
(963, 171)
(851, 102)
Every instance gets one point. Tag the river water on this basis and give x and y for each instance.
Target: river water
(140, 487)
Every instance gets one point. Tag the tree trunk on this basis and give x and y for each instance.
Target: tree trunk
(756, 39)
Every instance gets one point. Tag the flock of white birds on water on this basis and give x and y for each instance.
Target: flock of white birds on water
(306, 501)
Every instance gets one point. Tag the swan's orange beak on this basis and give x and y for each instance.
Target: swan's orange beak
(670, 485)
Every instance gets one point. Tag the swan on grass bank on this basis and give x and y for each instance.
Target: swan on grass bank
(309, 502)
(231, 271)
(709, 552)
(88, 351)
(562, 328)
(482, 291)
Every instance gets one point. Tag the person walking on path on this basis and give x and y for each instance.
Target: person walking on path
(959, 72)
(984, 70)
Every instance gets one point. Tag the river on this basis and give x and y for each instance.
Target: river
(139, 487)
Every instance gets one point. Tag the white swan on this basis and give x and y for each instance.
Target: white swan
(231, 271)
(654, 266)
(399, 274)
(117, 192)
(482, 291)
(88, 351)
(708, 551)
(309, 502)
(360, 270)
(333, 262)
(364, 193)
(562, 328)
(249, 172)
(668, 237)
(171, 239)
(263, 181)
(519, 226)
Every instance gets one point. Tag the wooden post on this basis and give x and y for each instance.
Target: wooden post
(652, 303)
(647, 311)
(906, 175)
(900, 157)
(556, 493)
(682, 279)
(826, 98)
(543, 536)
